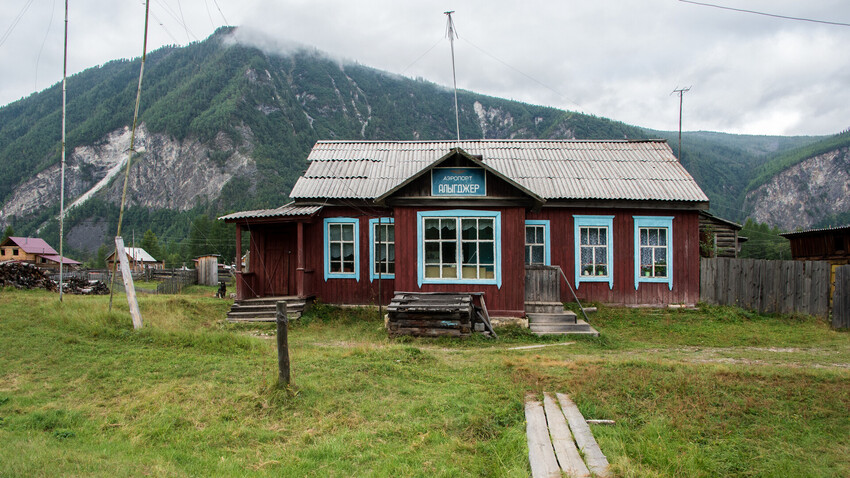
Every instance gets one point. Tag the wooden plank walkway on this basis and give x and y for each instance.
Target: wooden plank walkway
(555, 435)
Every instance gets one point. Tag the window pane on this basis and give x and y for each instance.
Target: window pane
(334, 231)
(653, 237)
(348, 266)
(662, 237)
(347, 232)
(603, 236)
(391, 249)
(645, 256)
(537, 255)
(644, 237)
(487, 272)
(528, 254)
(485, 250)
(602, 270)
(586, 255)
(391, 233)
(538, 236)
(583, 234)
(448, 229)
(601, 255)
(432, 228)
(593, 236)
(661, 255)
(335, 254)
(485, 229)
(470, 253)
(529, 234)
(432, 252)
(348, 251)
(449, 252)
(469, 229)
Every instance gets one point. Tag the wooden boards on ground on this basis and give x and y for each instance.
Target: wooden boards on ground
(555, 435)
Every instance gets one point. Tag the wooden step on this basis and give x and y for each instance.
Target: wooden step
(264, 309)
(543, 307)
(564, 317)
(579, 328)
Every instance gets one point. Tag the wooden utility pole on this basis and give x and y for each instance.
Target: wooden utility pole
(450, 32)
(681, 92)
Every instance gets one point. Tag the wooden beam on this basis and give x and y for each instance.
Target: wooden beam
(562, 440)
(127, 276)
(596, 461)
(541, 455)
(299, 270)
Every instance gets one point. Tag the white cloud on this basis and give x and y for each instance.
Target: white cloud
(615, 58)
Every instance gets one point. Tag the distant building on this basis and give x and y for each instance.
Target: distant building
(719, 237)
(139, 260)
(33, 250)
(829, 244)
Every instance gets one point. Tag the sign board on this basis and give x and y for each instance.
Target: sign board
(458, 182)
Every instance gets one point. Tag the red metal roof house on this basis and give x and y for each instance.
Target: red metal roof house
(621, 219)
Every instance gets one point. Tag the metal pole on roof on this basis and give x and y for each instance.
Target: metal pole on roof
(450, 32)
(62, 178)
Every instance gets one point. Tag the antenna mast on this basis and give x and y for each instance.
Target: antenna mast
(452, 34)
(681, 92)
(62, 178)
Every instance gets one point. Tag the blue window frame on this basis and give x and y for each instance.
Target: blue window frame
(594, 252)
(459, 247)
(382, 240)
(654, 250)
(342, 248)
(537, 242)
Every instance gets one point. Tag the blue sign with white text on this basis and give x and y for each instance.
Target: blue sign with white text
(458, 182)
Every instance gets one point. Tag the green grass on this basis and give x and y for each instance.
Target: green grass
(715, 392)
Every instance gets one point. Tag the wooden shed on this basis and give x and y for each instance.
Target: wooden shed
(619, 218)
(719, 237)
(830, 244)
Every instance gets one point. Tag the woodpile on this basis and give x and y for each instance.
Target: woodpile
(431, 315)
(24, 276)
(76, 285)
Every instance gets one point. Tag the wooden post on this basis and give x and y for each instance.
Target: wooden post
(282, 343)
(128, 283)
(299, 270)
(237, 276)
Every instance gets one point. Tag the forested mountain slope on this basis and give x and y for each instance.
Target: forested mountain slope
(227, 126)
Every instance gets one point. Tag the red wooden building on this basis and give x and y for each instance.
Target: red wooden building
(621, 219)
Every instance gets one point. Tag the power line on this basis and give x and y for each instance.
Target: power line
(785, 17)
(15, 22)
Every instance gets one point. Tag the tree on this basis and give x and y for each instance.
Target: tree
(150, 243)
(9, 232)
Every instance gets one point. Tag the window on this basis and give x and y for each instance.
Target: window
(537, 242)
(459, 247)
(14, 252)
(654, 256)
(594, 255)
(342, 249)
(382, 248)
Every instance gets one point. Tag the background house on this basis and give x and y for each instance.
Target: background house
(33, 250)
(138, 258)
(719, 237)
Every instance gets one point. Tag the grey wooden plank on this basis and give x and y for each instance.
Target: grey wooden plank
(562, 440)
(593, 456)
(541, 455)
(841, 298)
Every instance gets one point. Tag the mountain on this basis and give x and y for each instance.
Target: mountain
(804, 188)
(225, 125)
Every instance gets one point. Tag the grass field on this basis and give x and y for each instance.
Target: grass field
(714, 392)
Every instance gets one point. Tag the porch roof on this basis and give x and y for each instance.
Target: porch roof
(287, 210)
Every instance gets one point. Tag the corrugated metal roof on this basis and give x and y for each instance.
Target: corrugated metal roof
(32, 245)
(789, 235)
(290, 209)
(552, 169)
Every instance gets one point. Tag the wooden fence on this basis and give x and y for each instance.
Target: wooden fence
(783, 287)
(841, 299)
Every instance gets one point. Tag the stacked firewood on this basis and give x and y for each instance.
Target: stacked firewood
(24, 276)
(76, 285)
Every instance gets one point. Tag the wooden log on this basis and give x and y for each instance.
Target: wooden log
(596, 461)
(562, 440)
(541, 455)
(282, 343)
(431, 332)
(440, 324)
(128, 283)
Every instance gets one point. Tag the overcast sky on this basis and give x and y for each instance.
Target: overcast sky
(619, 59)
